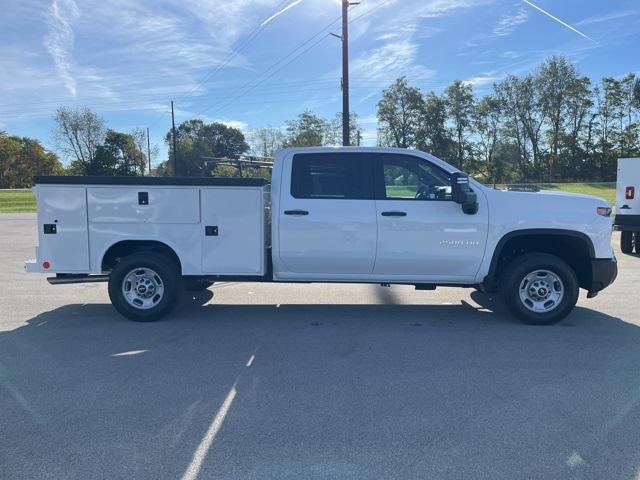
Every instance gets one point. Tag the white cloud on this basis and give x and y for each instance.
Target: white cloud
(59, 39)
(483, 80)
(239, 124)
(607, 17)
(390, 61)
(399, 27)
(280, 12)
(509, 23)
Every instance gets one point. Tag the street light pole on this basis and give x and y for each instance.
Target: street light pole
(175, 146)
(345, 73)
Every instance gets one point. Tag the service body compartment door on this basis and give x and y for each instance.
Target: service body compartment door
(143, 204)
(233, 231)
(62, 228)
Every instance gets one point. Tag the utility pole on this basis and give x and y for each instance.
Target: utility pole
(345, 73)
(175, 148)
(149, 151)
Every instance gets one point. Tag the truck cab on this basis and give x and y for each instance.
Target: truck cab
(350, 214)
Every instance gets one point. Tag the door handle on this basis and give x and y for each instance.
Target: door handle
(296, 212)
(394, 214)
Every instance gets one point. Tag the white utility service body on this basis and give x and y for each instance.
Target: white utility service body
(351, 214)
(627, 219)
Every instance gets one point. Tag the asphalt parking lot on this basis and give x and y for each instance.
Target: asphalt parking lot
(253, 381)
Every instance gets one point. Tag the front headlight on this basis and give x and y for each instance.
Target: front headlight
(604, 211)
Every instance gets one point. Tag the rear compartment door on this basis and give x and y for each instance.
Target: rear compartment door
(62, 228)
(143, 204)
(233, 231)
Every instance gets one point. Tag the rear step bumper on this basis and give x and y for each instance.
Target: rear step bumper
(65, 279)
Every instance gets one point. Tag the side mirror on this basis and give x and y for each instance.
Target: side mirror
(462, 193)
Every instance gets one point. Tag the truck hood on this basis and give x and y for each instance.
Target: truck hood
(547, 196)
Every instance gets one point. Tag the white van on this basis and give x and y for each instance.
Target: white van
(627, 218)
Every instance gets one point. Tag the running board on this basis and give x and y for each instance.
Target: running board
(68, 279)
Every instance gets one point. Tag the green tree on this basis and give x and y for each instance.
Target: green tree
(78, 133)
(432, 134)
(308, 130)
(487, 122)
(400, 114)
(197, 140)
(118, 155)
(21, 158)
(264, 142)
(334, 130)
(460, 107)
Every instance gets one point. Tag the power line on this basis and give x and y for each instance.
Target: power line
(249, 86)
(254, 33)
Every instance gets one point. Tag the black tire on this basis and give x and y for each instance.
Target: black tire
(195, 284)
(626, 242)
(512, 281)
(167, 276)
(636, 242)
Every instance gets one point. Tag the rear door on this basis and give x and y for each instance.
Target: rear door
(327, 217)
(422, 232)
(63, 239)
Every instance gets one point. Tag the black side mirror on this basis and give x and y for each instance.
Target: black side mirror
(462, 193)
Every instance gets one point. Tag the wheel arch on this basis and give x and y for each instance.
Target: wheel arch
(576, 248)
(123, 248)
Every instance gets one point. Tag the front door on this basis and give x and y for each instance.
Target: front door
(422, 232)
(327, 218)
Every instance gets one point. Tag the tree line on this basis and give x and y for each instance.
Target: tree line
(553, 124)
(549, 125)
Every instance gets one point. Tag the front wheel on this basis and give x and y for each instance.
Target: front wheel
(144, 286)
(626, 242)
(539, 288)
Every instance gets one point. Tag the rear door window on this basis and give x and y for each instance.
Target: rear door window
(338, 176)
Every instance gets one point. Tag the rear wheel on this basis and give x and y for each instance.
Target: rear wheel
(626, 242)
(144, 286)
(539, 288)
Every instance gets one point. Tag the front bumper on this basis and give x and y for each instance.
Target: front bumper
(627, 223)
(603, 273)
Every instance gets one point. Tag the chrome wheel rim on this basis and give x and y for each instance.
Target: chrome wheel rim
(541, 291)
(142, 288)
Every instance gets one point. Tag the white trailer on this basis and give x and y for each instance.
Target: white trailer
(627, 219)
(366, 215)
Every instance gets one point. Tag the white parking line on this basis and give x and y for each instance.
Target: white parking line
(192, 471)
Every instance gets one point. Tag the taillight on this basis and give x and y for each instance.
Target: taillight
(46, 265)
(630, 193)
(604, 211)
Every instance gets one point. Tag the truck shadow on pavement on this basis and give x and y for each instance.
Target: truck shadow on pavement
(319, 391)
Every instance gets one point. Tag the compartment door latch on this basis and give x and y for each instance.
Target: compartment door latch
(211, 230)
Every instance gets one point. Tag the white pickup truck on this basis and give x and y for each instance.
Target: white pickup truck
(353, 215)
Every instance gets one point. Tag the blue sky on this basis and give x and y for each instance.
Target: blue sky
(127, 59)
